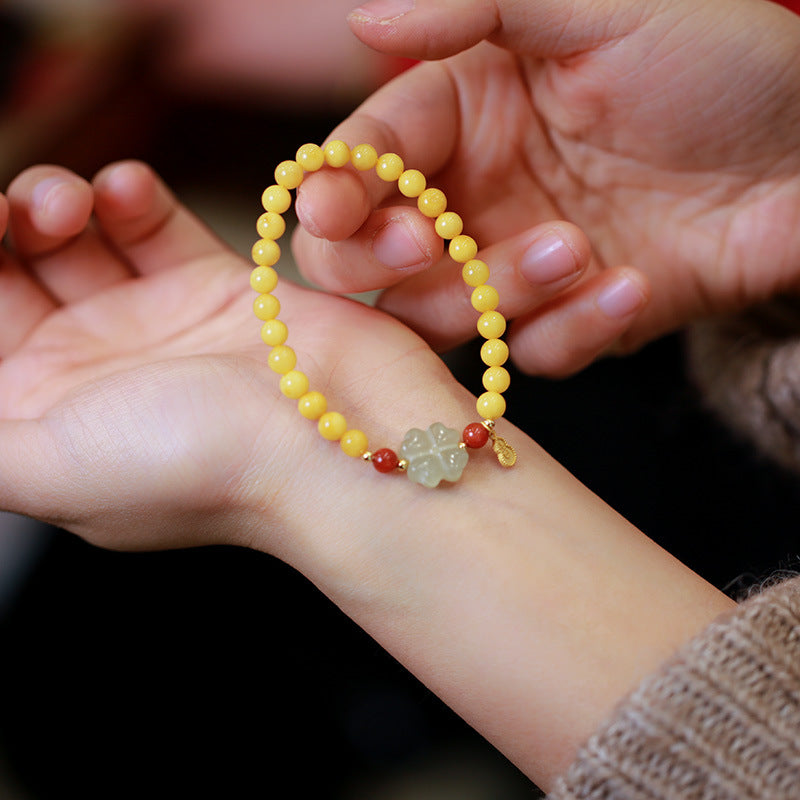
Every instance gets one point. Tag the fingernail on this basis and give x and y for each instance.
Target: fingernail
(621, 298)
(548, 260)
(382, 10)
(46, 191)
(396, 247)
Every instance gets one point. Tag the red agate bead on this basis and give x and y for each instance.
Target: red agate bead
(475, 435)
(385, 460)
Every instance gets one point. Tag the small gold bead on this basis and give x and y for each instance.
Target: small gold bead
(402, 464)
(366, 456)
(488, 424)
(462, 445)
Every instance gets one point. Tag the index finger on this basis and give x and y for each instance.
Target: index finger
(414, 116)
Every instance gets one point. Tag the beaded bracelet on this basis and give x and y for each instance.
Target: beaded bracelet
(426, 456)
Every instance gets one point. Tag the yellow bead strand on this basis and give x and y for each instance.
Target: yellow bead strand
(491, 324)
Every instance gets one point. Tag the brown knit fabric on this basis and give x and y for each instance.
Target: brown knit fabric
(720, 721)
(748, 368)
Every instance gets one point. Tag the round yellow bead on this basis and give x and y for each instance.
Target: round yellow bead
(337, 153)
(432, 202)
(389, 167)
(312, 405)
(364, 156)
(282, 359)
(354, 443)
(270, 225)
(411, 183)
(274, 332)
(263, 279)
(491, 325)
(294, 384)
(491, 405)
(494, 352)
(462, 248)
(475, 272)
(276, 198)
(310, 157)
(266, 252)
(289, 174)
(266, 306)
(496, 379)
(449, 225)
(332, 425)
(485, 298)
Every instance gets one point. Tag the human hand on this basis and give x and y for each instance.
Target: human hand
(137, 411)
(665, 132)
(135, 406)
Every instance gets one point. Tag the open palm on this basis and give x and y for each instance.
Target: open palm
(134, 397)
(666, 131)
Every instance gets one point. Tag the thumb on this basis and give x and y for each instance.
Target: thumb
(432, 29)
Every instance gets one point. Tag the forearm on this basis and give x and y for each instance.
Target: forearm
(517, 596)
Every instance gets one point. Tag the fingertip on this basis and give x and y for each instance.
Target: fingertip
(126, 189)
(424, 29)
(60, 205)
(332, 205)
(624, 295)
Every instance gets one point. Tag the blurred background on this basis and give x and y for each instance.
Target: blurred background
(221, 671)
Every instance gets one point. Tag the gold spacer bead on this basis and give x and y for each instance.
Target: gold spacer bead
(367, 456)
(488, 424)
(462, 445)
(402, 465)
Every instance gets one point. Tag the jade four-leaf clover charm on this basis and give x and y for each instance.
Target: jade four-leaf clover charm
(434, 455)
(427, 456)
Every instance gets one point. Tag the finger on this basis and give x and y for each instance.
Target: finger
(144, 222)
(575, 329)
(526, 270)
(23, 304)
(50, 210)
(391, 245)
(433, 29)
(396, 119)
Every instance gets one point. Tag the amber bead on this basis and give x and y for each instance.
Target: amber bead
(385, 460)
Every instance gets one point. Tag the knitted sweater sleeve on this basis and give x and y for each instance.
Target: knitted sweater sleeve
(719, 721)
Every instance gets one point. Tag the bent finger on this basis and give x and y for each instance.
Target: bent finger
(519, 274)
(574, 330)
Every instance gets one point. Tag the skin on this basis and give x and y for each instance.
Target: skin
(660, 136)
(136, 410)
